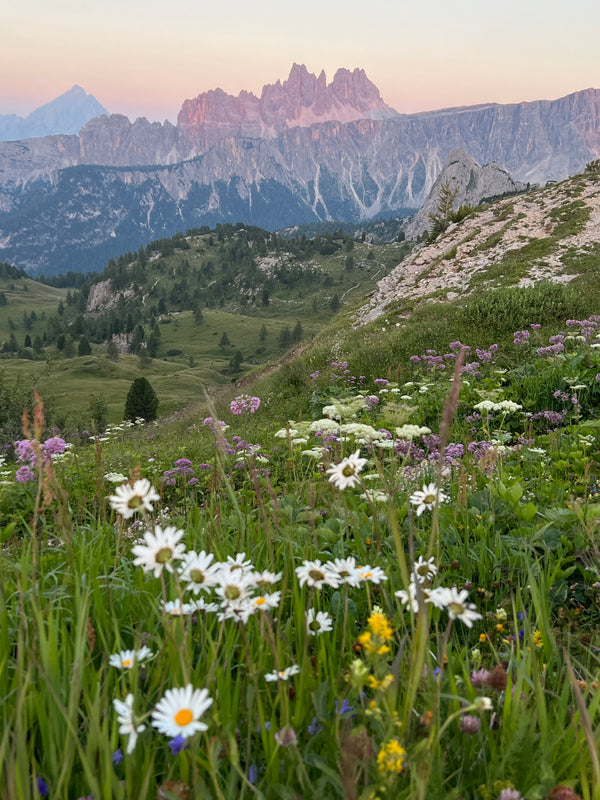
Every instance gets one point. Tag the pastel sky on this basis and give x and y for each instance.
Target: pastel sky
(145, 58)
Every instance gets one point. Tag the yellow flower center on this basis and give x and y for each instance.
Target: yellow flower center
(197, 575)
(348, 470)
(457, 608)
(126, 662)
(164, 555)
(183, 717)
(232, 592)
(260, 601)
(134, 502)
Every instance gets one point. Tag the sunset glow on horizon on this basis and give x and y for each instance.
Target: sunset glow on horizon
(145, 59)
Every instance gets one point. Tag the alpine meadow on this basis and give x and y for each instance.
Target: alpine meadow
(305, 513)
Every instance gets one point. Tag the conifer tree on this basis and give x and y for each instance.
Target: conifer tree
(141, 401)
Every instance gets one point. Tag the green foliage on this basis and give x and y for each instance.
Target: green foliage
(141, 401)
(84, 347)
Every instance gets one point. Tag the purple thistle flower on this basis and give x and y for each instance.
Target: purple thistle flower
(470, 724)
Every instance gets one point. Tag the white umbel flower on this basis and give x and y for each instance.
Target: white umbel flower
(157, 551)
(126, 721)
(346, 472)
(178, 712)
(125, 659)
(427, 498)
(318, 622)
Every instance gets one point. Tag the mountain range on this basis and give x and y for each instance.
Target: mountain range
(303, 151)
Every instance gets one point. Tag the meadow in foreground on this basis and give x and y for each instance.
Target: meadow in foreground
(395, 594)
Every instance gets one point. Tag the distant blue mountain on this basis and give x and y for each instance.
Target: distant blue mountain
(66, 114)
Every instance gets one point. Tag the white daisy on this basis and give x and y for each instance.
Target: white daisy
(267, 578)
(157, 551)
(240, 562)
(346, 472)
(454, 602)
(437, 596)
(264, 602)
(128, 500)
(125, 659)
(318, 622)
(427, 498)
(282, 674)
(126, 721)
(424, 570)
(233, 584)
(409, 598)
(371, 574)
(198, 572)
(316, 574)
(345, 569)
(237, 610)
(178, 609)
(204, 607)
(178, 712)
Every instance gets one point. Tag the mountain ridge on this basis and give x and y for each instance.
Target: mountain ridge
(118, 185)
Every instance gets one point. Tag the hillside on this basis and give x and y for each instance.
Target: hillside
(190, 313)
(545, 234)
(370, 571)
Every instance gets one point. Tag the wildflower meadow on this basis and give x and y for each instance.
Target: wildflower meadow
(375, 586)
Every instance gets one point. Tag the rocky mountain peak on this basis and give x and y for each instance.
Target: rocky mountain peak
(471, 184)
(66, 114)
(299, 101)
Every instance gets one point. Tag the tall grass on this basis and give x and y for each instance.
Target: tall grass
(477, 695)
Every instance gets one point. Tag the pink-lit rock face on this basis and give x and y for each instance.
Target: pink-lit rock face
(300, 101)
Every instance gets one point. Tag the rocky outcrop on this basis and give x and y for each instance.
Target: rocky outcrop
(302, 100)
(469, 184)
(483, 248)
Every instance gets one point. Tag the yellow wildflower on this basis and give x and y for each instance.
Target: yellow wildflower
(537, 639)
(391, 757)
(380, 626)
(381, 685)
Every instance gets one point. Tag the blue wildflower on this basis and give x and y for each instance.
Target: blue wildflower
(178, 744)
